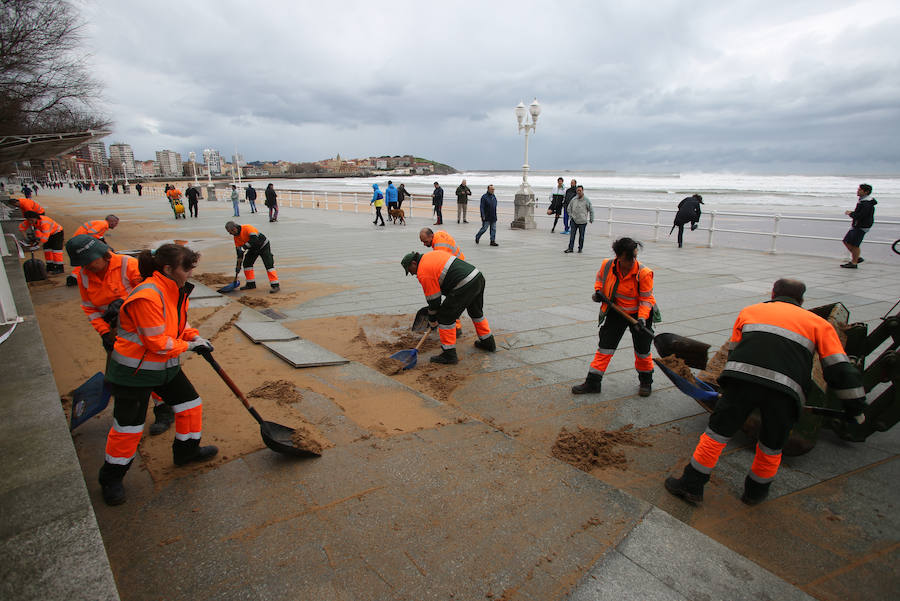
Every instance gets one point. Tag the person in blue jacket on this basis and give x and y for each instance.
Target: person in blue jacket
(488, 216)
(378, 201)
(390, 195)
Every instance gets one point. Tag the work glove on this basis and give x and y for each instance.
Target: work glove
(109, 341)
(200, 345)
(111, 315)
(640, 326)
(597, 298)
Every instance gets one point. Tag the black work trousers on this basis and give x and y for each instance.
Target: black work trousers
(778, 411)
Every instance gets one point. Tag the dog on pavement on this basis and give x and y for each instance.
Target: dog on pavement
(396, 214)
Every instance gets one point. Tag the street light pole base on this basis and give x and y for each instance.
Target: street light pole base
(524, 215)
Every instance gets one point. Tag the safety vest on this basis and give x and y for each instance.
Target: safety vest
(445, 242)
(97, 229)
(249, 237)
(633, 293)
(174, 194)
(442, 273)
(773, 344)
(152, 333)
(99, 289)
(28, 204)
(43, 228)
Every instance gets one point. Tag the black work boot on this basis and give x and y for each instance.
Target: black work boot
(690, 486)
(591, 384)
(275, 288)
(190, 451)
(448, 357)
(249, 286)
(165, 417)
(646, 382)
(110, 478)
(488, 344)
(755, 492)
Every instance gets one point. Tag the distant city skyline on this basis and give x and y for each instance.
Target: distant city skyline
(759, 86)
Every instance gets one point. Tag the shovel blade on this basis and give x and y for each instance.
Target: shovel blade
(420, 323)
(230, 286)
(408, 358)
(89, 399)
(701, 392)
(281, 440)
(693, 352)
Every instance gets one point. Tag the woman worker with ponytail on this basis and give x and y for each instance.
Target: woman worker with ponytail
(153, 332)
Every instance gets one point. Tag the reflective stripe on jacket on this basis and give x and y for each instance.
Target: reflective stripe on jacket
(97, 229)
(441, 273)
(43, 228)
(445, 242)
(153, 331)
(773, 344)
(98, 290)
(634, 294)
(249, 237)
(29, 204)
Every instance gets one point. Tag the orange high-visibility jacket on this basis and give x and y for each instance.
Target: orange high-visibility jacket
(28, 204)
(249, 237)
(634, 293)
(99, 289)
(174, 194)
(97, 229)
(153, 331)
(440, 273)
(43, 227)
(445, 242)
(773, 344)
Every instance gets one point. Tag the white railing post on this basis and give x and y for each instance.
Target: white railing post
(609, 221)
(301, 199)
(340, 202)
(356, 202)
(712, 228)
(656, 228)
(326, 200)
(775, 233)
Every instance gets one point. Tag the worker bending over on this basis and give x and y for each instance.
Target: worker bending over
(441, 240)
(153, 332)
(462, 286)
(98, 228)
(27, 204)
(40, 229)
(769, 368)
(250, 244)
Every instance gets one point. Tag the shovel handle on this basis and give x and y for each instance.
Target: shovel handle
(631, 320)
(422, 339)
(225, 378)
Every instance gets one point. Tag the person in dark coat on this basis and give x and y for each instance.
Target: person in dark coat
(401, 194)
(863, 218)
(688, 212)
(488, 216)
(437, 199)
(272, 202)
(192, 194)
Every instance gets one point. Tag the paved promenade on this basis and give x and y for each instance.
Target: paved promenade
(479, 508)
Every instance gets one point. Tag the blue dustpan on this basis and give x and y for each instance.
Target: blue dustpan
(701, 392)
(89, 399)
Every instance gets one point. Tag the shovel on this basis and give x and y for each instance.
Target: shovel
(693, 352)
(420, 323)
(89, 399)
(277, 437)
(235, 283)
(410, 356)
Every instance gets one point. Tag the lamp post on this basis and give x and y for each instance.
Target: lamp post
(193, 157)
(524, 202)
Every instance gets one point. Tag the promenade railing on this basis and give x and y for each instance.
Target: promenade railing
(770, 229)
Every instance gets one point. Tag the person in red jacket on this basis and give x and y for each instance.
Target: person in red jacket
(40, 229)
(153, 332)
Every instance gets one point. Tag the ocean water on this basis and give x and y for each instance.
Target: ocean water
(783, 194)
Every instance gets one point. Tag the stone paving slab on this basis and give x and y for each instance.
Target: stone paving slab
(265, 331)
(303, 353)
(202, 291)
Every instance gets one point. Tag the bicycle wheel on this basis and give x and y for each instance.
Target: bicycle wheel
(896, 246)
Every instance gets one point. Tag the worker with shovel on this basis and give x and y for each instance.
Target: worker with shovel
(462, 286)
(40, 229)
(630, 285)
(441, 240)
(249, 244)
(105, 280)
(153, 332)
(769, 368)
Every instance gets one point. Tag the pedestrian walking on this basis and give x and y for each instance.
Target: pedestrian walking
(236, 200)
(390, 196)
(137, 187)
(193, 195)
(378, 201)
(401, 195)
(250, 195)
(272, 203)
(557, 199)
(769, 368)
(863, 218)
(249, 244)
(688, 212)
(581, 211)
(462, 287)
(570, 194)
(488, 216)
(437, 201)
(629, 284)
(40, 229)
(462, 199)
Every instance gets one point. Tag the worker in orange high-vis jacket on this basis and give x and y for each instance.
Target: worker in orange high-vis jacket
(98, 228)
(441, 240)
(27, 204)
(153, 332)
(772, 347)
(462, 287)
(249, 244)
(630, 285)
(40, 229)
(105, 280)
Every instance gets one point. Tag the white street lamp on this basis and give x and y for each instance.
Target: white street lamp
(193, 157)
(534, 109)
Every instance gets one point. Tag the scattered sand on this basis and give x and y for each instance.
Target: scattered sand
(282, 392)
(714, 367)
(213, 279)
(588, 448)
(678, 366)
(304, 439)
(254, 302)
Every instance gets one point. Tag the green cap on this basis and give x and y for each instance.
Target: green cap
(83, 249)
(407, 259)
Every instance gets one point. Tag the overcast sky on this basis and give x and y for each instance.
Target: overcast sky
(744, 85)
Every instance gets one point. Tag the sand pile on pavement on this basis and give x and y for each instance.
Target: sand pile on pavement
(304, 439)
(678, 366)
(589, 448)
(213, 279)
(282, 392)
(253, 302)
